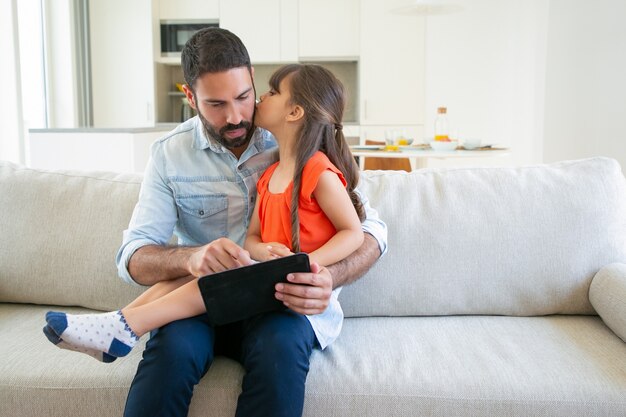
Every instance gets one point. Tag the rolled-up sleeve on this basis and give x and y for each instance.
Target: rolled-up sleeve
(154, 216)
(373, 224)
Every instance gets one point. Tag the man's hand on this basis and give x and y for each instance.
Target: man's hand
(307, 292)
(220, 255)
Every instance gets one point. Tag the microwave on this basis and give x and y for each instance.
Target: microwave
(175, 33)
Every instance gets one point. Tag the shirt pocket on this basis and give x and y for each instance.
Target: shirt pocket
(204, 217)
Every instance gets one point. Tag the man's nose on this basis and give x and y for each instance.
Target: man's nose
(234, 116)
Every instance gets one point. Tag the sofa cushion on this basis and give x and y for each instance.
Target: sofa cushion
(470, 365)
(39, 379)
(60, 233)
(512, 241)
(427, 366)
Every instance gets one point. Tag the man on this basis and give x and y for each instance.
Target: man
(201, 184)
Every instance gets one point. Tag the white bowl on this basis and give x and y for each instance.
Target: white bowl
(443, 146)
(471, 143)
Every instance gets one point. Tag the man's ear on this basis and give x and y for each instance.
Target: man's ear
(190, 97)
(296, 113)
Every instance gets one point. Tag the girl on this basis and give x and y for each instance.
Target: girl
(306, 202)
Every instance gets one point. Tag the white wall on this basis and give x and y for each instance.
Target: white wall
(486, 64)
(585, 110)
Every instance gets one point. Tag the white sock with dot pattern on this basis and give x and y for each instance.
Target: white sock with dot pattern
(106, 332)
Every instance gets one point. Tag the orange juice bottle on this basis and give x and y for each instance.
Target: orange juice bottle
(442, 127)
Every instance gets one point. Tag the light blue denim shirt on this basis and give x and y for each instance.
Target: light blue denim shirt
(198, 190)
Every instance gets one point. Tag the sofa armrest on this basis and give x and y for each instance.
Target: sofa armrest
(607, 295)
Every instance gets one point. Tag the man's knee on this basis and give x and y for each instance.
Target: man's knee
(183, 348)
(280, 341)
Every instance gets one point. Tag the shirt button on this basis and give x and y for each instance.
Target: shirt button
(201, 212)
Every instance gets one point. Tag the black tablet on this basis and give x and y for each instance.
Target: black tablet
(241, 293)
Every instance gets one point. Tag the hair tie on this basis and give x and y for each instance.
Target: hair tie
(338, 126)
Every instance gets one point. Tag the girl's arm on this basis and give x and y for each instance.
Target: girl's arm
(255, 246)
(335, 202)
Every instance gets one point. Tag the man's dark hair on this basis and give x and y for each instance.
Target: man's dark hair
(212, 50)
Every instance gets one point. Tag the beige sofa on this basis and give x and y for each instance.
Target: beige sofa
(486, 304)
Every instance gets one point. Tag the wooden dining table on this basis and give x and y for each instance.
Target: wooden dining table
(420, 154)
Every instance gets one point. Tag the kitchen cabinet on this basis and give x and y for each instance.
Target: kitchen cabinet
(391, 81)
(328, 29)
(266, 27)
(122, 63)
(189, 9)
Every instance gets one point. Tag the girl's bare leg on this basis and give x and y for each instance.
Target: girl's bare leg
(158, 290)
(181, 303)
(116, 333)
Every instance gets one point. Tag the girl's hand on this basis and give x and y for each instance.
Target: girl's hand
(268, 251)
(278, 250)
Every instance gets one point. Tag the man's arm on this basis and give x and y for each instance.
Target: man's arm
(357, 264)
(309, 293)
(151, 264)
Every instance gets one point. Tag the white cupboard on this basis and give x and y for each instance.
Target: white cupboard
(264, 26)
(328, 29)
(189, 9)
(391, 82)
(122, 63)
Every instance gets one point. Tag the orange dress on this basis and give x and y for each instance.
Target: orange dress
(274, 209)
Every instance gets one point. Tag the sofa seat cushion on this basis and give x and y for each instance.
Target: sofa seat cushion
(39, 379)
(470, 365)
(428, 366)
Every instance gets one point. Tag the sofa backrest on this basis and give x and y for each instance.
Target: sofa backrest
(60, 233)
(504, 241)
(510, 241)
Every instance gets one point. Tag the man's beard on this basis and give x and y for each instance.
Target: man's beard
(219, 137)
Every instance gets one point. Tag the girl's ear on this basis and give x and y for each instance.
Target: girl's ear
(296, 113)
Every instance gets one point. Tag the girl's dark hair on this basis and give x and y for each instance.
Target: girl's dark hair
(322, 96)
(212, 50)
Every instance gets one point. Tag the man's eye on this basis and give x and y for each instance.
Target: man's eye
(244, 97)
(216, 104)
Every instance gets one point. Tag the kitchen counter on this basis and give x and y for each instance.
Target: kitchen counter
(107, 149)
(165, 127)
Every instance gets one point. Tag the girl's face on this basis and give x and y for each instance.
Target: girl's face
(274, 106)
